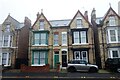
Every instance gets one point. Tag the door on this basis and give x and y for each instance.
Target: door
(64, 58)
(56, 58)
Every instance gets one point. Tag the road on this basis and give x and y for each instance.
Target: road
(60, 76)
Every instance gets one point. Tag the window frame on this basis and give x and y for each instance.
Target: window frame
(39, 58)
(8, 41)
(64, 38)
(8, 59)
(112, 21)
(56, 39)
(110, 52)
(41, 24)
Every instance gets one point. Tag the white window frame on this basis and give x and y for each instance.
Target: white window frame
(64, 38)
(109, 36)
(75, 55)
(76, 37)
(8, 45)
(85, 54)
(7, 28)
(112, 21)
(110, 52)
(41, 25)
(79, 24)
(83, 37)
(56, 39)
(8, 59)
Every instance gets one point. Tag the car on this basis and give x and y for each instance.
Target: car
(81, 65)
(112, 64)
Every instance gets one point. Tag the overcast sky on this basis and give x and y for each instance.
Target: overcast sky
(53, 9)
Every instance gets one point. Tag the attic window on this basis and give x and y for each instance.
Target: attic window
(7, 28)
(112, 21)
(79, 23)
(42, 24)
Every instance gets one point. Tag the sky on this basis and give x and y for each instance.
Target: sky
(53, 9)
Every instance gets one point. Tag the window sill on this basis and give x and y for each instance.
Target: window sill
(55, 45)
(80, 44)
(64, 45)
(38, 65)
(40, 45)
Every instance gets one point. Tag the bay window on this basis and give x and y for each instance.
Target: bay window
(79, 37)
(40, 38)
(39, 58)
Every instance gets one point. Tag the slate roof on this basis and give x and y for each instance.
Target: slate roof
(98, 19)
(60, 23)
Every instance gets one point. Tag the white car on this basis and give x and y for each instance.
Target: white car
(81, 65)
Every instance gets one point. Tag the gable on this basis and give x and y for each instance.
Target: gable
(41, 18)
(110, 13)
(73, 23)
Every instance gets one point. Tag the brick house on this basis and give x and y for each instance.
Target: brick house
(81, 43)
(11, 30)
(56, 41)
(109, 36)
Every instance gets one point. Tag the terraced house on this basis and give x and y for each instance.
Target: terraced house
(10, 38)
(58, 41)
(109, 36)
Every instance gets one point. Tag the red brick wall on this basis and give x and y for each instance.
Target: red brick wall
(25, 68)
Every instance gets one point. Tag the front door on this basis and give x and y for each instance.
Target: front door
(64, 58)
(56, 58)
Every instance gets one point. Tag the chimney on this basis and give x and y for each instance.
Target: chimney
(27, 21)
(93, 14)
(38, 14)
(119, 8)
(86, 15)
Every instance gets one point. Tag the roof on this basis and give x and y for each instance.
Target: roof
(98, 19)
(108, 13)
(81, 15)
(14, 22)
(60, 23)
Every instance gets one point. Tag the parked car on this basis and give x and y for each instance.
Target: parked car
(113, 64)
(81, 65)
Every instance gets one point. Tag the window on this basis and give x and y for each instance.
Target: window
(112, 21)
(7, 28)
(113, 35)
(39, 58)
(80, 55)
(119, 34)
(83, 36)
(114, 53)
(77, 55)
(43, 38)
(40, 39)
(6, 59)
(64, 38)
(37, 38)
(56, 39)
(79, 23)
(6, 40)
(80, 37)
(76, 37)
(41, 24)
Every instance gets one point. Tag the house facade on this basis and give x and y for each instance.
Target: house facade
(109, 36)
(10, 38)
(59, 41)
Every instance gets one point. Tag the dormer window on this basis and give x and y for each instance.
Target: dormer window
(7, 29)
(41, 24)
(112, 21)
(79, 22)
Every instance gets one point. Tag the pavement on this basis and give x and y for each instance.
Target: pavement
(60, 75)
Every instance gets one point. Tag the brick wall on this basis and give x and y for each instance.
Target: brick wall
(25, 68)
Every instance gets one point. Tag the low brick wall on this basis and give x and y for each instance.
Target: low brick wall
(25, 68)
